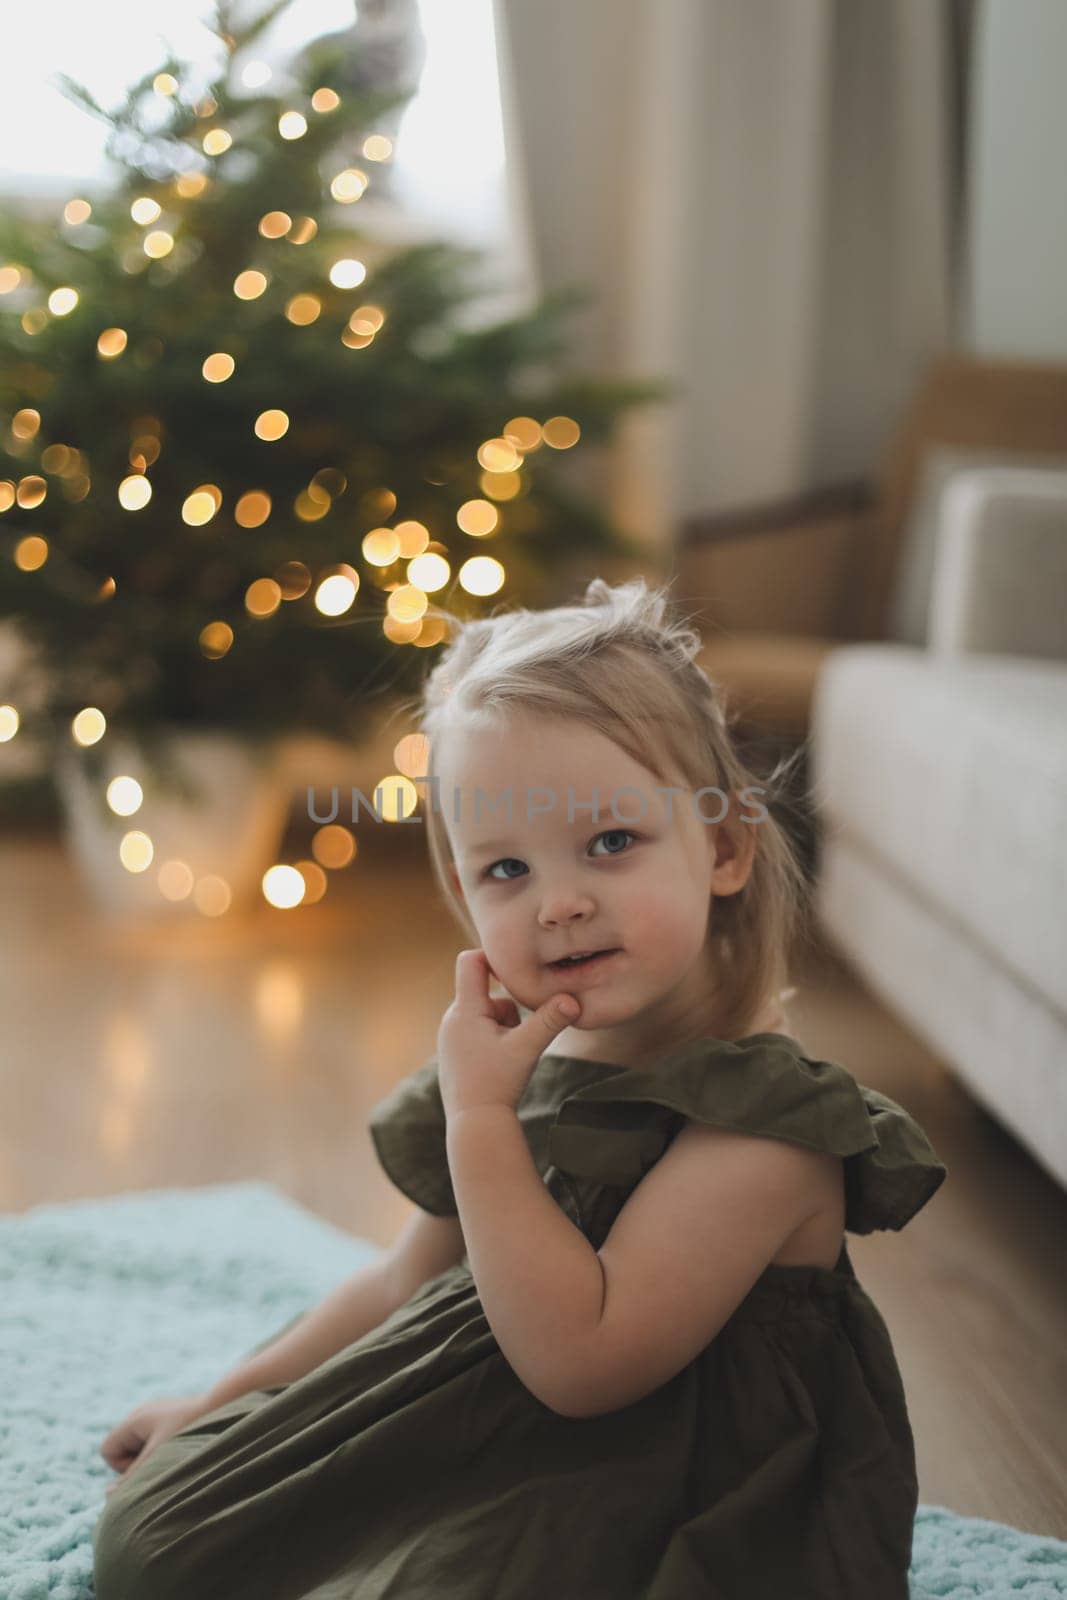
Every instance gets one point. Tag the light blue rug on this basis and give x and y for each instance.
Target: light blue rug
(104, 1303)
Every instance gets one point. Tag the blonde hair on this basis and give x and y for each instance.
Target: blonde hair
(620, 663)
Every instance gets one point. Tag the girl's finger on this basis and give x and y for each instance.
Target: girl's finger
(472, 978)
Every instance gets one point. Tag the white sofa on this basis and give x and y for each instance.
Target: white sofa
(940, 773)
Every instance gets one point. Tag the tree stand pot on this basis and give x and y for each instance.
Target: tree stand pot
(214, 809)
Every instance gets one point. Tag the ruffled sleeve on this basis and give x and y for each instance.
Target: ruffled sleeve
(408, 1131)
(613, 1130)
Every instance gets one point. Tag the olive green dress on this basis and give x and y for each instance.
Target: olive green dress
(415, 1465)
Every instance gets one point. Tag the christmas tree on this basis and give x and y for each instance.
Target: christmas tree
(245, 445)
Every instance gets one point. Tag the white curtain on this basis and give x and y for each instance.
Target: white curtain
(762, 194)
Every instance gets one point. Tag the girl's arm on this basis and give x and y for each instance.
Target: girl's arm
(538, 1278)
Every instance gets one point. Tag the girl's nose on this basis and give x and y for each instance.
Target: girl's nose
(563, 905)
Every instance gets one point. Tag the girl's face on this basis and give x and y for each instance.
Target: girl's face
(556, 876)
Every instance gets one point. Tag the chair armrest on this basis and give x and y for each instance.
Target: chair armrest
(1000, 568)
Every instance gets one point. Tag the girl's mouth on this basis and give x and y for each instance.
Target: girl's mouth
(583, 963)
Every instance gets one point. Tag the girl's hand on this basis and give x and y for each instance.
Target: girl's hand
(132, 1440)
(485, 1054)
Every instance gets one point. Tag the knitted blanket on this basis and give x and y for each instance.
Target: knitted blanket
(105, 1303)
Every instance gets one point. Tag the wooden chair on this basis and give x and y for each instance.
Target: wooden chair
(776, 588)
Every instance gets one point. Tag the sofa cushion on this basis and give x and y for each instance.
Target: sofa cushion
(954, 774)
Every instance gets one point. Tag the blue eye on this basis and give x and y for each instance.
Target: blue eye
(609, 833)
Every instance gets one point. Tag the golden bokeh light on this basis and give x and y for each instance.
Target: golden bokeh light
(76, 212)
(190, 184)
(218, 367)
(199, 507)
(25, 423)
(477, 518)
(252, 509)
(333, 846)
(367, 320)
(57, 459)
(271, 425)
(145, 449)
(34, 321)
(356, 341)
(292, 125)
(175, 880)
(9, 723)
(523, 432)
(303, 230)
(413, 537)
(212, 895)
(315, 881)
(561, 432)
(335, 595)
(499, 455)
(395, 797)
(349, 185)
(310, 506)
(145, 210)
(31, 491)
(111, 343)
(500, 485)
(293, 579)
(406, 603)
(376, 147)
(215, 639)
(10, 278)
(263, 597)
(412, 755)
(250, 284)
(134, 492)
(324, 100)
(429, 572)
(136, 851)
(401, 632)
(125, 796)
(158, 243)
(283, 887)
(275, 224)
(106, 589)
(431, 632)
(303, 309)
(61, 302)
(348, 273)
(380, 547)
(481, 575)
(7, 494)
(165, 83)
(88, 726)
(255, 75)
(31, 553)
(216, 142)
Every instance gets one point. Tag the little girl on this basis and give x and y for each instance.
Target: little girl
(619, 1350)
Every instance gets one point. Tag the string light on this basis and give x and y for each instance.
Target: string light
(481, 575)
(145, 210)
(429, 572)
(216, 142)
(406, 603)
(215, 639)
(325, 100)
(158, 243)
(263, 597)
(76, 212)
(367, 319)
(218, 367)
(252, 509)
(347, 273)
(413, 537)
(380, 547)
(500, 485)
(303, 309)
(499, 455)
(31, 491)
(61, 302)
(7, 494)
(477, 518)
(89, 726)
(524, 433)
(25, 423)
(134, 493)
(249, 285)
(136, 851)
(377, 147)
(349, 185)
(31, 553)
(111, 343)
(10, 278)
(271, 425)
(190, 184)
(561, 432)
(283, 887)
(9, 723)
(291, 125)
(163, 83)
(335, 595)
(124, 796)
(275, 224)
(395, 797)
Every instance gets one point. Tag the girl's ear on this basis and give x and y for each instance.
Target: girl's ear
(734, 850)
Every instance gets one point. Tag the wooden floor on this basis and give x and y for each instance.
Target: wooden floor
(254, 1046)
